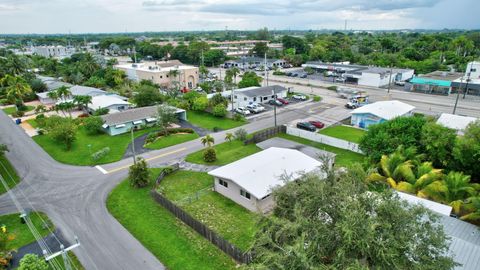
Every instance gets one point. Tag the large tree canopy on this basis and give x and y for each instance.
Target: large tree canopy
(337, 223)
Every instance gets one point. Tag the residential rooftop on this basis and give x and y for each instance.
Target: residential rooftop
(385, 109)
(132, 115)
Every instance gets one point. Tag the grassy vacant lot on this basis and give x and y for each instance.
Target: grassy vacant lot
(343, 158)
(347, 133)
(80, 154)
(208, 121)
(227, 218)
(171, 139)
(8, 173)
(227, 152)
(23, 236)
(11, 110)
(172, 242)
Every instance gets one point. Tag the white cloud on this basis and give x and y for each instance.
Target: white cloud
(57, 16)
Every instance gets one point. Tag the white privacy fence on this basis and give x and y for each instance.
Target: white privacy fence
(316, 137)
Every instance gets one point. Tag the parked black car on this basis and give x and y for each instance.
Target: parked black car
(306, 126)
(275, 102)
(288, 74)
(295, 75)
(303, 75)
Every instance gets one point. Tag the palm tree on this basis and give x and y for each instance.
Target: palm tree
(53, 95)
(452, 190)
(235, 71)
(15, 65)
(208, 140)
(403, 171)
(82, 101)
(16, 89)
(229, 136)
(63, 92)
(40, 109)
(473, 206)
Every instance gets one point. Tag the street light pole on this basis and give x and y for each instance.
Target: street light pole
(274, 107)
(468, 80)
(390, 80)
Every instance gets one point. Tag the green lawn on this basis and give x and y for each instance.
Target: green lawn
(11, 110)
(343, 158)
(233, 222)
(8, 173)
(32, 123)
(22, 236)
(80, 154)
(173, 243)
(227, 152)
(347, 133)
(171, 139)
(208, 121)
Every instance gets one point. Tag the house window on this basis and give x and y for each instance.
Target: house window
(223, 183)
(254, 98)
(161, 77)
(167, 76)
(190, 85)
(245, 99)
(245, 194)
(273, 96)
(152, 77)
(473, 70)
(235, 96)
(265, 98)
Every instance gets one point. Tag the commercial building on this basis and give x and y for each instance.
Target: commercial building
(53, 51)
(456, 122)
(469, 84)
(437, 82)
(122, 122)
(379, 112)
(363, 75)
(249, 181)
(162, 73)
(255, 62)
(255, 94)
(240, 47)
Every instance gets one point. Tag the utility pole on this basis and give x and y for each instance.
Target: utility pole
(274, 107)
(265, 70)
(64, 254)
(468, 80)
(390, 80)
(458, 95)
(133, 147)
(134, 55)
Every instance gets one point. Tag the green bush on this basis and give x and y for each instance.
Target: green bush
(138, 174)
(278, 73)
(210, 155)
(241, 134)
(18, 113)
(100, 111)
(93, 125)
(238, 117)
(100, 154)
(219, 110)
(317, 98)
(41, 120)
(200, 103)
(333, 88)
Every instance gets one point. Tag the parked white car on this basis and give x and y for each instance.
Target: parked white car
(253, 108)
(299, 97)
(242, 110)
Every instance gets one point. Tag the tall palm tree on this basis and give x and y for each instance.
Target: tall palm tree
(235, 71)
(15, 65)
(63, 92)
(453, 189)
(229, 136)
(82, 101)
(53, 95)
(208, 140)
(16, 89)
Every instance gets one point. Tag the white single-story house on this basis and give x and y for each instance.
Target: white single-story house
(255, 94)
(379, 112)
(121, 122)
(249, 181)
(464, 242)
(456, 122)
(76, 90)
(111, 102)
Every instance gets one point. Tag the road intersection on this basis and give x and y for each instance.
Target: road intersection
(74, 197)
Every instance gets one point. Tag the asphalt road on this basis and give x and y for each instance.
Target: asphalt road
(74, 197)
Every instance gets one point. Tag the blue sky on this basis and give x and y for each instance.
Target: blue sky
(80, 16)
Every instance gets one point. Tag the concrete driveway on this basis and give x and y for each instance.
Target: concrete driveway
(307, 150)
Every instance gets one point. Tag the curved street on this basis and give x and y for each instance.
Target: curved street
(74, 197)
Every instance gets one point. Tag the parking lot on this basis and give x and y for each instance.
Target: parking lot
(292, 103)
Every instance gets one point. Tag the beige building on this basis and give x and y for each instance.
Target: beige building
(160, 72)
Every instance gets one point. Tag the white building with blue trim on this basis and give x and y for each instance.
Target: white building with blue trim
(380, 112)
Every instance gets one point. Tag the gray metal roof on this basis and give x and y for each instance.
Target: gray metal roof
(132, 115)
(465, 242)
(260, 91)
